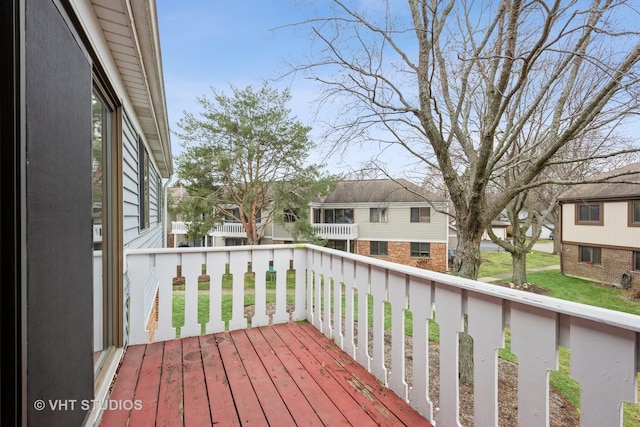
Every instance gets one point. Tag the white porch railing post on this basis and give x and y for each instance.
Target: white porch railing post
(379, 293)
(362, 286)
(191, 270)
(281, 260)
(397, 284)
(348, 274)
(327, 282)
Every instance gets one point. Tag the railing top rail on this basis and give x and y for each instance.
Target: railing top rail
(597, 314)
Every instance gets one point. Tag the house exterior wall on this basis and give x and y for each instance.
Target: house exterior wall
(615, 238)
(400, 252)
(613, 232)
(134, 236)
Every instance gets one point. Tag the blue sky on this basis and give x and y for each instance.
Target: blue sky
(217, 43)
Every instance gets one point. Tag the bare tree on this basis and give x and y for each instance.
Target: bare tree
(456, 84)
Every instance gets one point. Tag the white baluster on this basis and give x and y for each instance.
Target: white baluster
(348, 273)
(302, 310)
(534, 342)
(238, 261)
(451, 321)
(420, 304)
(166, 267)
(260, 265)
(326, 291)
(216, 262)
(487, 329)
(603, 361)
(362, 285)
(379, 293)
(281, 266)
(336, 273)
(398, 298)
(191, 270)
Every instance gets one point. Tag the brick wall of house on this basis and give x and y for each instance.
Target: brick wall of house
(400, 252)
(170, 240)
(615, 262)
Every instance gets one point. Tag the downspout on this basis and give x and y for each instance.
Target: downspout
(165, 231)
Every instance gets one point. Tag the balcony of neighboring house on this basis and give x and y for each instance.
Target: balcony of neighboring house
(304, 335)
(336, 231)
(226, 230)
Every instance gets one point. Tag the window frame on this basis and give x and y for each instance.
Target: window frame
(599, 221)
(631, 220)
(636, 260)
(378, 215)
(381, 248)
(416, 215)
(592, 250)
(420, 252)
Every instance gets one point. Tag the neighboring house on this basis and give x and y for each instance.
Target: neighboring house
(85, 150)
(600, 232)
(392, 220)
(389, 219)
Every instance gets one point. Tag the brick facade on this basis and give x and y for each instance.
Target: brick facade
(400, 252)
(615, 262)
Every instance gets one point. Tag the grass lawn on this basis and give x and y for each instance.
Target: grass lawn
(499, 263)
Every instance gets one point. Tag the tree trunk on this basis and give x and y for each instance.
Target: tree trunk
(467, 264)
(519, 263)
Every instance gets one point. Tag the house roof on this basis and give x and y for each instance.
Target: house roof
(616, 189)
(132, 36)
(379, 191)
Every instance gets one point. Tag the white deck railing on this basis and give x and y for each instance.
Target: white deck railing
(336, 231)
(603, 344)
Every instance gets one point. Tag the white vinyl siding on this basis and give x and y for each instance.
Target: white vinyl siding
(614, 231)
(152, 236)
(399, 226)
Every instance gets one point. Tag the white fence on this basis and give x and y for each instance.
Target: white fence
(330, 289)
(336, 231)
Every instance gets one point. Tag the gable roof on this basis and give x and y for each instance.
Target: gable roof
(379, 191)
(608, 190)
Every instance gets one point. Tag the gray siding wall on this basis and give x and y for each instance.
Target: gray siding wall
(134, 237)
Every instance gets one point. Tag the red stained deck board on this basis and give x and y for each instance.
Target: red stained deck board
(125, 385)
(170, 409)
(298, 406)
(196, 402)
(325, 408)
(348, 392)
(300, 377)
(148, 386)
(247, 403)
(273, 407)
(223, 410)
(399, 407)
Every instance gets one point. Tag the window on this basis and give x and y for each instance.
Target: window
(333, 216)
(422, 250)
(143, 176)
(378, 215)
(591, 255)
(420, 214)
(290, 215)
(378, 248)
(634, 214)
(589, 214)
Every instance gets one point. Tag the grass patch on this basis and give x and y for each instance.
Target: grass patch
(499, 263)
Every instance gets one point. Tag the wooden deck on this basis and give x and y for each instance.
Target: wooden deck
(280, 375)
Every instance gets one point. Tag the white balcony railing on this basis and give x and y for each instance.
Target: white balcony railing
(336, 231)
(97, 233)
(178, 227)
(330, 284)
(227, 229)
